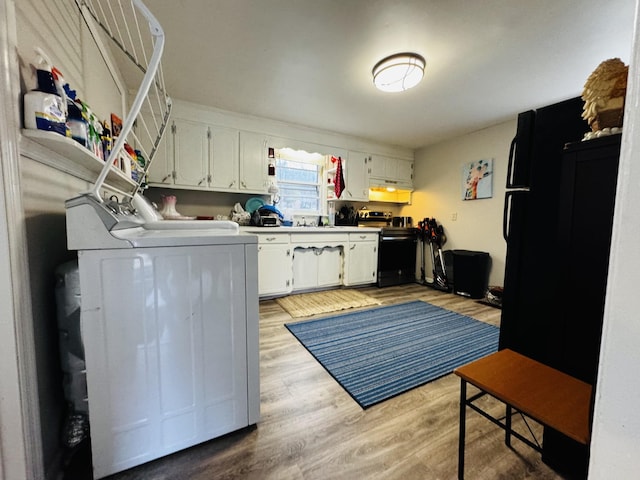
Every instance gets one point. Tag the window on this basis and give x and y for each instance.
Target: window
(299, 177)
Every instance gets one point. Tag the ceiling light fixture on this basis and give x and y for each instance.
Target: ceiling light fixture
(398, 72)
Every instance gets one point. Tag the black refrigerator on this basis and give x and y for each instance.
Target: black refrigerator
(531, 323)
(557, 223)
(530, 227)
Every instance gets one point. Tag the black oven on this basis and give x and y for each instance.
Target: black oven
(397, 248)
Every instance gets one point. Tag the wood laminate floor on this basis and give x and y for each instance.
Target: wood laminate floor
(310, 428)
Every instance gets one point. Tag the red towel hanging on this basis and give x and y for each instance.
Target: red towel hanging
(339, 180)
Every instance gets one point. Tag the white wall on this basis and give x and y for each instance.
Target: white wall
(616, 427)
(438, 193)
(57, 28)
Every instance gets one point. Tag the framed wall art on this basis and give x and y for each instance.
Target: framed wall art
(477, 180)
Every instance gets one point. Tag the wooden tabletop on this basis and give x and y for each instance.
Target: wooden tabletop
(547, 395)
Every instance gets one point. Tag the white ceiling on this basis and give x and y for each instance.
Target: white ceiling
(309, 62)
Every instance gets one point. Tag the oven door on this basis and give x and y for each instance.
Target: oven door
(397, 258)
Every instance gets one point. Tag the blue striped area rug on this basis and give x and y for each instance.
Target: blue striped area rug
(379, 353)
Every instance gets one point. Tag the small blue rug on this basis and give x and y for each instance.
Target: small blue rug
(379, 353)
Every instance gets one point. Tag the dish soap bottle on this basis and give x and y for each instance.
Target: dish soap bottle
(44, 108)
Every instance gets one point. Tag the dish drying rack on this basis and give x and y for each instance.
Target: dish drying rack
(132, 28)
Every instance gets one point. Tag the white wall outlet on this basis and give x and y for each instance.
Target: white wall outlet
(454, 216)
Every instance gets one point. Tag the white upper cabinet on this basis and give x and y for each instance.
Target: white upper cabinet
(404, 171)
(196, 154)
(381, 167)
(253, 162)
(214, 151)
(191, 150)
(224, 160)
(389, 171)
(357, 177)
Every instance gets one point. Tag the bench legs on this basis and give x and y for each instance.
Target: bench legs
(461, 435)
(506, 425)
(507, 431)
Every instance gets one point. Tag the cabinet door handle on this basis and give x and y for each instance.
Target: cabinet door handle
(202, 180)
(166, 178)
(363, 237)
(288, 252)
(270, 239)
(352, 247)
(232, 183)
(244, 185)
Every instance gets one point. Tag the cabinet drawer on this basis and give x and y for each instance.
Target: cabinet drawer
(270, 238)
(363, 237)
(319, 239)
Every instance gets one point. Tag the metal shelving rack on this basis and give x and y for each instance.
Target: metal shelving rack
(131, 28)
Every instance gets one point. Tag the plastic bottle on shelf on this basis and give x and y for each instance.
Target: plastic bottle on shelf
(332, 214)
(76, 123)
(106, 140)
(44, 108)
(59, 82)
(140, 169)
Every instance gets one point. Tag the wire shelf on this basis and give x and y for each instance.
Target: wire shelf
(131, 28)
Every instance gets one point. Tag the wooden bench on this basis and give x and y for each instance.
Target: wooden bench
(542, 393)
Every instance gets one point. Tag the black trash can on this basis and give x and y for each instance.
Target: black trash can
(471, 271)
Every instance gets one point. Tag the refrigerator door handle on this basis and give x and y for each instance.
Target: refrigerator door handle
(510, 197)
(505, 215)
(512, 151)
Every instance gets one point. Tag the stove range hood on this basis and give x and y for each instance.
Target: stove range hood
(389, 195)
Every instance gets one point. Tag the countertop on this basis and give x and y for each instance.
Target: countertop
(340, 229)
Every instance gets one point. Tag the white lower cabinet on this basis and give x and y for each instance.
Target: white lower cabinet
(307, 261)
(318, 260)
(171, 346)
(361, 259)
(315, 267)
(274, 264)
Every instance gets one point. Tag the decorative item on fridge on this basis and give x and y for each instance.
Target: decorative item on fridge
(604, 93)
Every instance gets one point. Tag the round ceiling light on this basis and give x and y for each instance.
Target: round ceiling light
(398, 72)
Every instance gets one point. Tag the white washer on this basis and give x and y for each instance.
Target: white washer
(169, 319)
